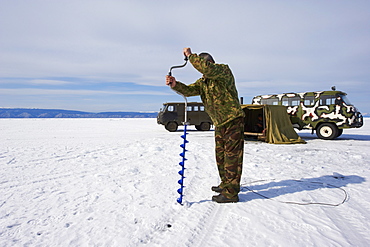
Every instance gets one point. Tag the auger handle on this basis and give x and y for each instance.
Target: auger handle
(178, 66)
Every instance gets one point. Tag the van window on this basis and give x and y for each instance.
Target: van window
(291, 101)
(285, 101)
(327, 100)
(170, 108)
(295, 101)
(309, 100)
(270, 101)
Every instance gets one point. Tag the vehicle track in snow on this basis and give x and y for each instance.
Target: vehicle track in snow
(211, 225)
(346, 220)
(57, 172)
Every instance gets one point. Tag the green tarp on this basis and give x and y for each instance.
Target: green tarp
(278, 128)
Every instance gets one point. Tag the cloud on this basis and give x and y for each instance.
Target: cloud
(276, 45)
(114, 38)
(49, 82)
(49, 92)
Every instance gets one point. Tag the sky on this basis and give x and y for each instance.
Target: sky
(96, 56)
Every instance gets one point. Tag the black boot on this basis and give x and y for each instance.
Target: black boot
(217, 189)
(222, 199)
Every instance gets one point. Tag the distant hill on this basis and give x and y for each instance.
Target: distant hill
(51, 113)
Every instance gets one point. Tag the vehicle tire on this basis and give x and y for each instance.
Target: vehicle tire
(205, 126)
(171, 126)
(340, 132)
(327, 131)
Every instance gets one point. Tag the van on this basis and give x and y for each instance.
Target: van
(172, 115)
(326, 112)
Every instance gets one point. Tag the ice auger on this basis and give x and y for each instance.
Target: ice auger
(183, 145)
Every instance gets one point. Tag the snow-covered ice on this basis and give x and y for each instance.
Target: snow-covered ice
(113, 182)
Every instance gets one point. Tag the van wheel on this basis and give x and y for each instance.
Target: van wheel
(340, 132)
(203, 126)
(327, 131)
(171, 126)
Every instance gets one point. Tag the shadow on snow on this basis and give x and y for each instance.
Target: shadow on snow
(309, 136)
(268, 190)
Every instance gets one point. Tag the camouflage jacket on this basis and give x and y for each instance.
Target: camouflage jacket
(216, 89)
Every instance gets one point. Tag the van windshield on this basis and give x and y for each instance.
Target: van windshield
(345, 99)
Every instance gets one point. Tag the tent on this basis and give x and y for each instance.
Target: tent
(276, 126)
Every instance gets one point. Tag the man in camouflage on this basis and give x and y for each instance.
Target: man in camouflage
(220, 98)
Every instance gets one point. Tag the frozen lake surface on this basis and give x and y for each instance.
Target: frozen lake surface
(113, 182)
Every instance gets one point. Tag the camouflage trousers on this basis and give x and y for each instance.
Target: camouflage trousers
(229, 155)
